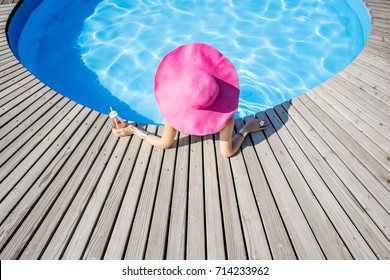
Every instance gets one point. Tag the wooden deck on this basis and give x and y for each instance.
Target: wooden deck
(314, 185)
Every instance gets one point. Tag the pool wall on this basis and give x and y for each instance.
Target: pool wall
(363, 15)
(18, 20)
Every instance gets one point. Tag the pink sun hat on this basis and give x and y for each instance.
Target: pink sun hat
(196, 89)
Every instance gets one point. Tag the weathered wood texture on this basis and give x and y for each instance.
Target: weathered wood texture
(314, 185)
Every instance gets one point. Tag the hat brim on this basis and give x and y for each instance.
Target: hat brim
(179, 113)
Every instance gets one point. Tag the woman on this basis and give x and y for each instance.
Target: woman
(197, 93)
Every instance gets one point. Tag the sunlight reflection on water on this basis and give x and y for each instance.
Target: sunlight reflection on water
(279, 48)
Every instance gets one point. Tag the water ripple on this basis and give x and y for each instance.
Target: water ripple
(279, 48)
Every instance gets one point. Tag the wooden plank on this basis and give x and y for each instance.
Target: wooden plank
(369, 154)
(355, 148)
(19, 96)
(80, 238)
(3, 46)
(6, 5)
(4, 16)
(333, 171)
(377, 34)
(39, 160)
(3, 41)
(40, 226)
(136, 246)
(213, 214)
(303, 178)
(9, 2)
(380, 74)
(286, 153)
(372, 59)
(10, 71)
(71, 205)
(14, 169)
(373, 91)
(7, 59)
(15, 82)
(378, 13)
(368, 75)
(41, 195)
(278, 239)
(368, 79)
(379, 3)
(157, 240)
(234, 238)
(102, 230)
(3, 22)
(377, 190)
(380, 39)
(176, 241)
(380, 43)
(377, 38)
(301, 235)
(335, 174)
(3, 49)
(122, 229)
(4, 68)
(382, 22)
(27, 121)
(382, 27)
(354, 168)
(356, 115)
(372, 51)
(369, 103)
(326, 186)
(3, 37)
(54, 115)
(86, 189)
(255, 238)
(16, 89)
(12, 107)
(196, 241)
(16, 118)
(376, 46)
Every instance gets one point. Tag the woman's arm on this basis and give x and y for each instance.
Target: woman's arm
(229, 144)
(165, 141)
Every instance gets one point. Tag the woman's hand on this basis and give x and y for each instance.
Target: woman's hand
(228, 144)
(255, 125)
(123, 129)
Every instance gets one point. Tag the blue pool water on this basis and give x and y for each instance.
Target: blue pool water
(104, 53)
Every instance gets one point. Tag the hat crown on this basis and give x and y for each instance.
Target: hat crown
(199, 89)
(196, 89)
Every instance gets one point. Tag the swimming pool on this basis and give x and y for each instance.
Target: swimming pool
(103, 53)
